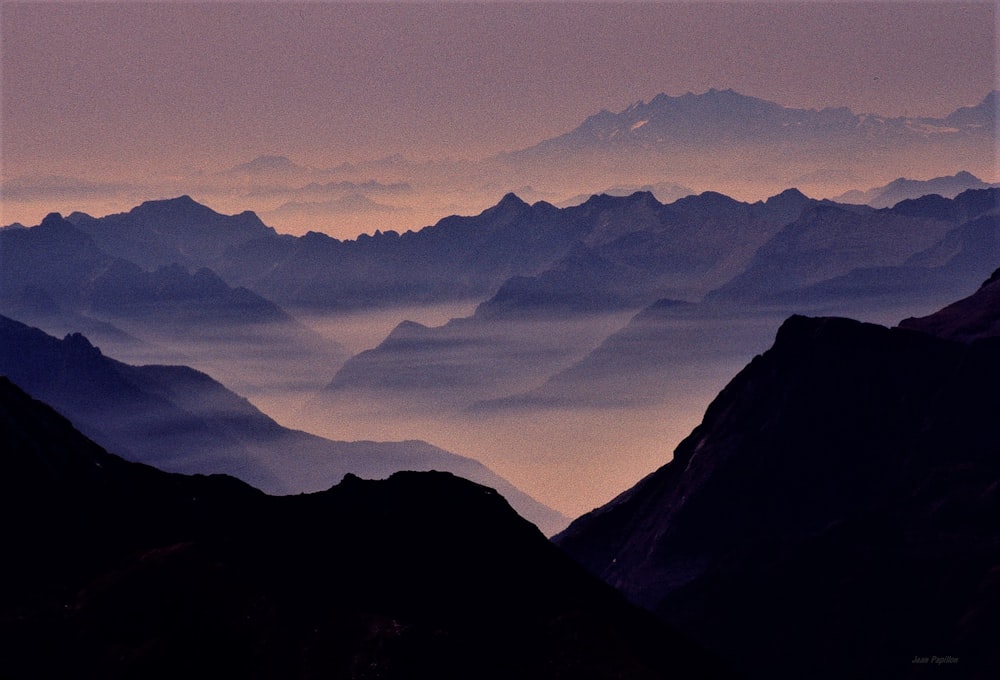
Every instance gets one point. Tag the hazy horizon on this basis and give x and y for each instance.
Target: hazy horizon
(108, 105)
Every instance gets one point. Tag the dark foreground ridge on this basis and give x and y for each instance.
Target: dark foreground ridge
(837, 512)
(117, 570)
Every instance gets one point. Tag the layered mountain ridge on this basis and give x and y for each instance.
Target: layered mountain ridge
(118, 570)
(181, 420)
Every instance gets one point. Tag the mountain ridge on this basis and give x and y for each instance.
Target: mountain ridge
(120, 570)
(839, 495)
(182, 420)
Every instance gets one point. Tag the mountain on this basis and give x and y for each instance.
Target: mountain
(967, 320)
(665, 192)
(834, 514)
(764, 260)
(117, 570)
(720, 118)
(181, 420)
(171, 231)
(55, 276)
(443, 369)
(725, 139)
(58, 267)
(670, 352)
(639, 250)
(693, 244)
(903, 189)
(837, 252)
(457, 258)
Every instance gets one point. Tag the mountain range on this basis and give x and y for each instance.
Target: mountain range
(902, 189)
(836, 511)
(753, 263)
(719, 118)
(181, 420)
(118, 570)
(723, 140)
(834, 514)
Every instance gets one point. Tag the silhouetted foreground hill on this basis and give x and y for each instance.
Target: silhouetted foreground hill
(836, 514)
(116, 570)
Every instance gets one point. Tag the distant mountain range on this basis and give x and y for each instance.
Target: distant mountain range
(764, 260)
(117, 570)
(840, 252)
(723, 118)
(902, 189)
(608, 255)
(132, 271)
(722, 140)
(181, 420)
(836, 512)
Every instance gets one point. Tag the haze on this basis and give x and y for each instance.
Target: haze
(106, 105)
(350, 118)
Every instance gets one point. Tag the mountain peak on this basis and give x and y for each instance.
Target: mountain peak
(511, 199)
(267, 163)
(53, 219)
(511, 203)
(183, 203)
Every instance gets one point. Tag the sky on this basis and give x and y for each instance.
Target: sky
(118, 90)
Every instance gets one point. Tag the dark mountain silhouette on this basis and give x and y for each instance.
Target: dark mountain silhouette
(181, 420)
(836, 512)
(116, 570)
(903, 189)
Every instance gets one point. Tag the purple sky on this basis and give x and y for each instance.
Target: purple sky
(117, 89)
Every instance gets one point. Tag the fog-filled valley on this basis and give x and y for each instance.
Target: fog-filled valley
(558, 341)
(567, 349)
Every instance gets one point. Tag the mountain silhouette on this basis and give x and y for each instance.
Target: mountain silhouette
(181, 420)
(835, 512)
(117, 570)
